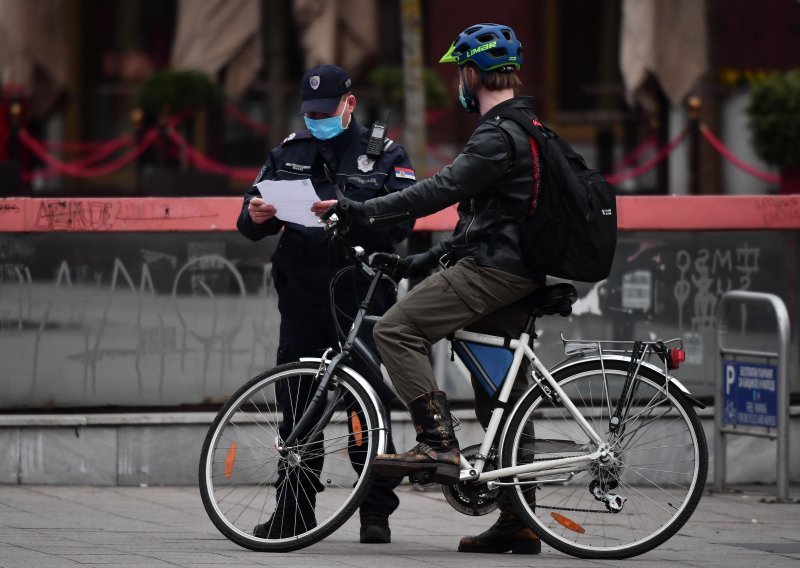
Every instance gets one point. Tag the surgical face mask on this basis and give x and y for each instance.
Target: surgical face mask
(466, 98)
(326, 128)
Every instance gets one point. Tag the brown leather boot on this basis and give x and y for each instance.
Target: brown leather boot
(508, 533)
(437, 450)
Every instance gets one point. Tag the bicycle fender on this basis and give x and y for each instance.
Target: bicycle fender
(660, 370)
(382, 425)
(573, 362)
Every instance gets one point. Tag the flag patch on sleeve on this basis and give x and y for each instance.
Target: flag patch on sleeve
(404, 173)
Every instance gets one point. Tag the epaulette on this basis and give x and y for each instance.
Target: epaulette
(295, 136)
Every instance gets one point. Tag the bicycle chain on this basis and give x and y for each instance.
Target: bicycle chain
(573, 509)
(579, 510)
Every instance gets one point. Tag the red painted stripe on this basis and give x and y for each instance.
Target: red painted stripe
(145, 214)
(150, 214)
(709, 212)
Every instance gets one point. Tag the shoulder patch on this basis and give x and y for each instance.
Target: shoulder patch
(405, 173)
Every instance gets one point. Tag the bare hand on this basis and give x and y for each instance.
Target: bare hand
(319, 207)
(260, 211)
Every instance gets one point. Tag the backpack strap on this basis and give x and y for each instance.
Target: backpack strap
(537, 133)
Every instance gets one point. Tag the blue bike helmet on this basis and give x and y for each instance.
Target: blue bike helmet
(491, 47)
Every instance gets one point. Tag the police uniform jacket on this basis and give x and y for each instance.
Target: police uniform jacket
(303, 258)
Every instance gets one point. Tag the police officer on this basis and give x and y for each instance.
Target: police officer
(303, 263)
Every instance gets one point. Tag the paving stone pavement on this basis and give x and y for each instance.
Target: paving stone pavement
(114, 527)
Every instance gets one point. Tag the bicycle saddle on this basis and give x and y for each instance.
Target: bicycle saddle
(555, 299)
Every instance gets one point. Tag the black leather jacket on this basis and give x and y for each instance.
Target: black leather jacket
(303, 255)
(492, 179)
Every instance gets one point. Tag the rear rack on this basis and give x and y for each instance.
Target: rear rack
(582, 346)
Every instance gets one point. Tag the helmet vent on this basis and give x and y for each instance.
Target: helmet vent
(484, 38)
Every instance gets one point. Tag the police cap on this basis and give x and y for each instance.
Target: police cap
(322, 88)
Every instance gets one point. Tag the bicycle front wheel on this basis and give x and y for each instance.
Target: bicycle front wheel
(270, 500)
(633, 499)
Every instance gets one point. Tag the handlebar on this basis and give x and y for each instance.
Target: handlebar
(337, 221)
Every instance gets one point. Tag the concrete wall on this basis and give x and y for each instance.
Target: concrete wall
(171, 319)
(164, 449)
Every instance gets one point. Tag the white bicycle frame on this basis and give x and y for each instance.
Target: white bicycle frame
(521, 348)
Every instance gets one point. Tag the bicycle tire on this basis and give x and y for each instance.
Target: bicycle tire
(660, 428)
(242, 476)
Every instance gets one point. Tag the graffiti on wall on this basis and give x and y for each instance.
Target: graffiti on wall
(114, 214)
(708, 274)
(90, 322)
(167, 319)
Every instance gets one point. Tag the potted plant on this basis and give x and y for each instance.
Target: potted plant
(774, 112)
(195, 101)
(389, 80)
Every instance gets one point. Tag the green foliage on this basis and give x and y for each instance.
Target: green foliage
(178, 91)
(774, 112)
(389, 80)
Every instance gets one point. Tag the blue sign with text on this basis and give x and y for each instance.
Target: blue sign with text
(749, 393)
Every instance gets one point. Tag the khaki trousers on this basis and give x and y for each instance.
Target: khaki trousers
(464, 296)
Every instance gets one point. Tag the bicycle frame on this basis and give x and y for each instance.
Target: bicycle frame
(310, 423)
(521, 348)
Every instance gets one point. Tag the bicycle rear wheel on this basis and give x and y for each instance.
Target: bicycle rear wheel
(629, 503)
(299, 496)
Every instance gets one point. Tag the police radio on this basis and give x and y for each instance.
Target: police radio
(377, 136)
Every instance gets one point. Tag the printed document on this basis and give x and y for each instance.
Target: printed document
(292, 199)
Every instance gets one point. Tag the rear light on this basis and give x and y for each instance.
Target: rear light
(675, 357)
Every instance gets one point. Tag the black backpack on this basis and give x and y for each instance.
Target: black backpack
(572, 232)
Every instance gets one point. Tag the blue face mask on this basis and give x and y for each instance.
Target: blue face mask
(326, 128)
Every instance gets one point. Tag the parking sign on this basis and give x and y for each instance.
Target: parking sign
(749, 393)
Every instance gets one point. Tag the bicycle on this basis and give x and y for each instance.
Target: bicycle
(604, 453)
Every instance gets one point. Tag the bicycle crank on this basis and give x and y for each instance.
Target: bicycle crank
(471, 498)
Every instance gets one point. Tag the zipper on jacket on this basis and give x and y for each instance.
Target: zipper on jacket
(471, 221)
(389, 216)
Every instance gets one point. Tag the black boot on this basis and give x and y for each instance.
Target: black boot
(375, 527)
(437, 451)
(296, 498)
(508, 533)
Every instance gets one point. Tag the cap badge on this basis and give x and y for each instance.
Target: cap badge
(314, 82)
(365, 164)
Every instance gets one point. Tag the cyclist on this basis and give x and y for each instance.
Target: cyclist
(303, 264)
(485, 282)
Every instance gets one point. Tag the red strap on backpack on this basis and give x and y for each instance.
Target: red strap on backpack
(537, 171)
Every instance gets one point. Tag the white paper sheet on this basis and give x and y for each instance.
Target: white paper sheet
(292, 199)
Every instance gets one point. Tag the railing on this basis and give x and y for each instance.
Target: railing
(780, 430)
